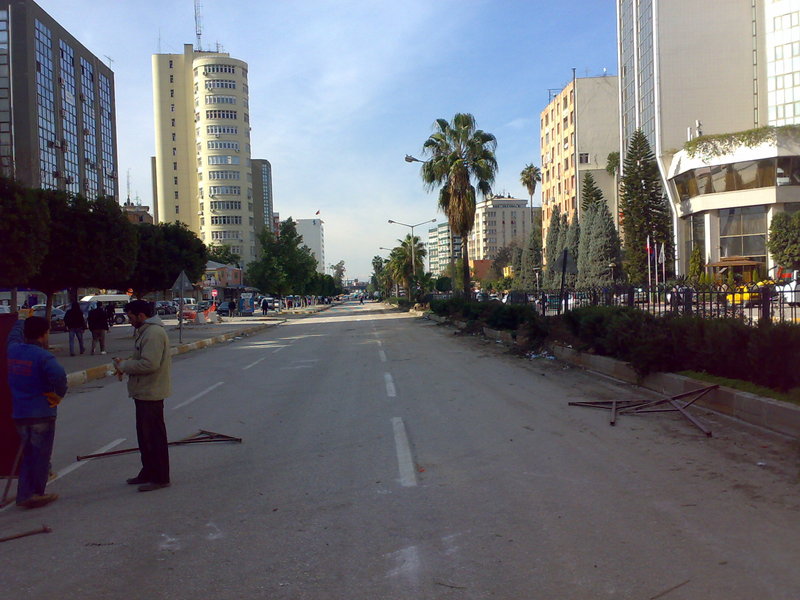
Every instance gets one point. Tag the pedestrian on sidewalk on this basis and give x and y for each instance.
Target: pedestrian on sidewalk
(37, 384)
(149, 371)
(76, 325)
(98, 325)
(232, 307)
(264, 306)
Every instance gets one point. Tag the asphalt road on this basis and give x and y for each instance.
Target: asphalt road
(384, 457)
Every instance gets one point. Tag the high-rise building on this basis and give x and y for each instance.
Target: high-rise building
(262, 194)
(313, 234)
(443, 249)
(579, 129)
(57, 112)
(203, 176)
(498, 222)
(689, 69)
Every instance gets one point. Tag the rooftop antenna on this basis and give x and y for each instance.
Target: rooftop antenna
(198, 25)
(110, 61)
(129, 187)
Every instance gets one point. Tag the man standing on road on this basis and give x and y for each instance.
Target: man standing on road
(76, 325)
(37, 385)
(148, 371)
(98, 325)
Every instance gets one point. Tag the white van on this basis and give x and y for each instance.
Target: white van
(118, 300)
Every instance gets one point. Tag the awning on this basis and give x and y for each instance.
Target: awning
(736, 261)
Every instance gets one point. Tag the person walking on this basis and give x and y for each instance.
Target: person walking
(110, 314)
(148, 371)
(232, 307)
(264, 306)
(37, 383)
(76, 325)
(98, 325)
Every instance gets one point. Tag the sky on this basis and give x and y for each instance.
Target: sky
(342, 90)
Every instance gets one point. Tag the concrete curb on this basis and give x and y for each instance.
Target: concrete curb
(77, 378)
(777, 416)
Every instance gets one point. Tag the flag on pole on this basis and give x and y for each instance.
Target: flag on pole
(661, 257)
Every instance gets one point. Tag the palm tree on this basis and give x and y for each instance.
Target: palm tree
(400, 261)
(529, 177)
(460, 154)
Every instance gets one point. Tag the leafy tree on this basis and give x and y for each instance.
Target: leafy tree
(115, 245)
(338, 272)
(400, 261)
(462, 158)
(552, 249)
(377, 267)
(286, 265)
(697, 264)
(165, 250)
(67, 261)
(784, 240)
(504, 257)
(25, 231)
(612, 163)
(223, 254)
(590, 193)
(444, 284)
(643, 206)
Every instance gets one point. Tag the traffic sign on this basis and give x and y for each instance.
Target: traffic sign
(213, 293)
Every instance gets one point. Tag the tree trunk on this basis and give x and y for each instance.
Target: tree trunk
(465, 259)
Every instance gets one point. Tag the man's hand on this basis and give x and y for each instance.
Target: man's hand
(117, 371)
(53, 399)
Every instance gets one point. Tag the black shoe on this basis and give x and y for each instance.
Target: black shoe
(149, 487)
(136, 480)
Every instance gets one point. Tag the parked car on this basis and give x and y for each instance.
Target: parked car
(748, 295)
(56, 318)
(203, 304)
(189, 312)
(166, 307)
(222, 309)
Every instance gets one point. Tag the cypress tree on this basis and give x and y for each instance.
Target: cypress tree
(552, 246)
(571, 244)
(604, 248)
(532, 257)
(643, 206)
(591, 195)
(585, 264)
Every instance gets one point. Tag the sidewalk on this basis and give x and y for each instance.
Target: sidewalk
(119, 342)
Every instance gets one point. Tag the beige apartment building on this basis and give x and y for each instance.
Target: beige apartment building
(498, 222)
(579, 129)
(202, 171)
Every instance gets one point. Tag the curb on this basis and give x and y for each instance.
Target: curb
(77, 378)
(774, 415)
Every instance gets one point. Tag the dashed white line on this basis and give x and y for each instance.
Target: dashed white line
(390, 389)
(408, 476)
(253, 364)
(200, 395)
(382, 354)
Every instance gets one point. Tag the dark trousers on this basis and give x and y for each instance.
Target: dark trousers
(151, 432)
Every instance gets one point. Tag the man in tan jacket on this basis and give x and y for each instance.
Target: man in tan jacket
(148, 371)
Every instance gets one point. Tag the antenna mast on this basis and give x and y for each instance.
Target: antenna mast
(129, 186)
(198, 25)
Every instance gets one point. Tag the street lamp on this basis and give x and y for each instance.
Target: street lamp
(410, 158)
(413, 244)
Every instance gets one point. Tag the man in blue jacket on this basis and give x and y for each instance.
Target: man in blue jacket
(37, 385)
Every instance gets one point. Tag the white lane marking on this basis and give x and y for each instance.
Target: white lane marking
(382, 354)
(253, 364)
(200, 395)
(390, 389)
(408, 476)
(278, 349)
(407, 564)
(379, 342)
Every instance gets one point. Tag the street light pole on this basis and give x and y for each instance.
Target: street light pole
(413, 243)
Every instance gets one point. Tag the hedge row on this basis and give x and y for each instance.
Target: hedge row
(723, 347)
(520, 317)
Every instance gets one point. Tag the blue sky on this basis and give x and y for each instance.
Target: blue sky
(341, 90)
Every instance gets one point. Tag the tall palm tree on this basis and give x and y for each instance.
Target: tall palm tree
(405, 261)
(529, 177)
(460, 154)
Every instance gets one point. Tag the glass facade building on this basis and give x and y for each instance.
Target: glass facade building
(53, 132)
